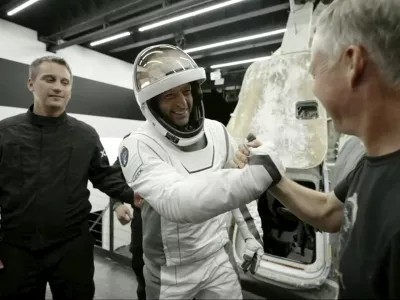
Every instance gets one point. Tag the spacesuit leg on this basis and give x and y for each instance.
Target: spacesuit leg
(224, 281)
(175, 282)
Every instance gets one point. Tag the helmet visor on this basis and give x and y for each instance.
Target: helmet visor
(158, 62)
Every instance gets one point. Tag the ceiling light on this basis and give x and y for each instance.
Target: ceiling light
(238, 40)
(240, 62)
(111, 38)
(191, 14)
(21, 7)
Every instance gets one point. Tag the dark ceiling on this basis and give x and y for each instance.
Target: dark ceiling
(62, 23)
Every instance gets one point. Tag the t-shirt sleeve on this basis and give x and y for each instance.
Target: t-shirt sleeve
(342, 188)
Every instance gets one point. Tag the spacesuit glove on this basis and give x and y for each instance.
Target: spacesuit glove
(252, 255)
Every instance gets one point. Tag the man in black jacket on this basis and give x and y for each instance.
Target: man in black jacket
(136, 246)
(46, 160)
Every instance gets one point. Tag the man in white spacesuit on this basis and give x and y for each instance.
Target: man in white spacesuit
(175, 161)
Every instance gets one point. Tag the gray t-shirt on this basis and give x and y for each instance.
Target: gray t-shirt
(349, 155)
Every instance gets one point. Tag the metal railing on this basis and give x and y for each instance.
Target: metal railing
(111, 238)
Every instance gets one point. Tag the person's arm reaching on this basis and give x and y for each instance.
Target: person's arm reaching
(106, 178)
(321, 210)
(194, 198)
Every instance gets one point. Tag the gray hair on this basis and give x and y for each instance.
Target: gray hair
(34, 66)
(374, 24)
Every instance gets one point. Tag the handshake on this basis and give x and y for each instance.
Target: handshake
(265, 164)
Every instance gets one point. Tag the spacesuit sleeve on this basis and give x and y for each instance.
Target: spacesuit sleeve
(246, 217)
(193, 198)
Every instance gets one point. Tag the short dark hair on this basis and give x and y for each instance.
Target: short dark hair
(34, 66)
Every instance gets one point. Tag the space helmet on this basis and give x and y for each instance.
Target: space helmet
(158, 69)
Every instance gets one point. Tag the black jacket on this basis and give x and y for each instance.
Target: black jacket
(136, 245)
(45, 165)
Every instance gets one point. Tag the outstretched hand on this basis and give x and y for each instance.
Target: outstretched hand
(242, 154)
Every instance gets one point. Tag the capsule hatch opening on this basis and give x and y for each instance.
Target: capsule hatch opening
(307, 110)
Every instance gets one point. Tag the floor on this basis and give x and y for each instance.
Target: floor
(116, 281)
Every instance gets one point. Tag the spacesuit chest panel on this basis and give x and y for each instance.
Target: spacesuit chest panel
(213, 157)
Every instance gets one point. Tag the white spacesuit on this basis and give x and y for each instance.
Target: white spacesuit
(178, 170)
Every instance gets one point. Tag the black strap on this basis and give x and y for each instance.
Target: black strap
(269, 165)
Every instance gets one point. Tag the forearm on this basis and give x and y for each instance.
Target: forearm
(110, 180)
(310, 206)
(198, 198)
(115, 186)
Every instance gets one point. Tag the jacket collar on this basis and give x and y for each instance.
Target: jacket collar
(43, 120)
